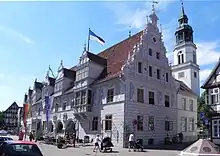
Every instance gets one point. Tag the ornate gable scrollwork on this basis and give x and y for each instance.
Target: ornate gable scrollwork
(129, 66)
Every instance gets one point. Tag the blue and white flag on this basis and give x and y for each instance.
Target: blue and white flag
(48, 107)
(95, 37)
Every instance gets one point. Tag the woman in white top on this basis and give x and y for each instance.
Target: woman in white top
(97, 141)
(131, 141)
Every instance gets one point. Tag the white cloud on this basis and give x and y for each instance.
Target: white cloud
(136, 18)
(16, 33)
(204, 74)
(207, 52)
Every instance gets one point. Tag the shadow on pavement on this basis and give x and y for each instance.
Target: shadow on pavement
(178, 147)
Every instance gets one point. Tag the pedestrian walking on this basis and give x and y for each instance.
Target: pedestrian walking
(131, 141)
(97, 141)
(21, 136)
(31, 137)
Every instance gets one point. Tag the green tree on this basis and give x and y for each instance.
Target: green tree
(1, 119)
(203, 108)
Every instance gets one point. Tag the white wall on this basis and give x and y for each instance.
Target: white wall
(188, 135)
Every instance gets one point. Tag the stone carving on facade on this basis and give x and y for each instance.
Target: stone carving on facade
(131, 91)
(159, 97)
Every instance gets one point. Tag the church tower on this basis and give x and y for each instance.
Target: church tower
(185, 67)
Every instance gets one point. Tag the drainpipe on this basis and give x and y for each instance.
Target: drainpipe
(178, 90)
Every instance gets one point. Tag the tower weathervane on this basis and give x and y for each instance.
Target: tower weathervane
(129, 33)
(153, 5)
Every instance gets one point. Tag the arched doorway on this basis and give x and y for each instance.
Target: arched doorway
(39, 126)
(70, 127)
(50, 126)
(59, 127)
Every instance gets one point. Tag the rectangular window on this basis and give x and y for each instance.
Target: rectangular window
(108, 122)
(140, 124)
(110, 95)
(150, 123)
(139, 67)
(83, 97)
(168, 125)
(191, 125)
(56, 107)
(151, 98)
(182, 58)
(158, 55)
(95, 122)
(183, 124)
(140, 95)
(167, 77)
(214, 96)
(77, 98)
(167, 101)
(191, 105)
(89, 99)
(184, 103)
(158, 73)
(179, 59)
(64, 106)
(181, 74)
(150, 71)
(216, 131)
(195, 74)
(150, 52)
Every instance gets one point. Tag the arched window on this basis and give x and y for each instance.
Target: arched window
(180, 57)
(194, 57)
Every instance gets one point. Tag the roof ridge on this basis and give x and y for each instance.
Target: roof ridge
(120, 42)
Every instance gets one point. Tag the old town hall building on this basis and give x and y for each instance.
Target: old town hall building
(129, 87)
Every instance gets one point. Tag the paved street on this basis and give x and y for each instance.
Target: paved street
(50, 150)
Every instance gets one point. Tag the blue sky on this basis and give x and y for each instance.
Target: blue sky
(34, 35)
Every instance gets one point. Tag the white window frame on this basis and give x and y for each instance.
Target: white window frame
(183, 124)
(191, 105)
(214, 92)
(191, 123)
(216, 123)
(183, 103)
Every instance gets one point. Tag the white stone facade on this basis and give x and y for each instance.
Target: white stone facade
(141, 97)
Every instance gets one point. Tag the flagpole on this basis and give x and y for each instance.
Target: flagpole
(88, 41)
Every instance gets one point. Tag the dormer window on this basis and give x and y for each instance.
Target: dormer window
(83, 60)
(81, 73)
(180, 57)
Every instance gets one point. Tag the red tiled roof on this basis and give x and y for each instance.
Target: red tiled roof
(117, 55)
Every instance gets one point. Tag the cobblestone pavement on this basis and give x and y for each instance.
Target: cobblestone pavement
(50, 150)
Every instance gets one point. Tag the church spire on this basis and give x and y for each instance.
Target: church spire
(183, 19)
